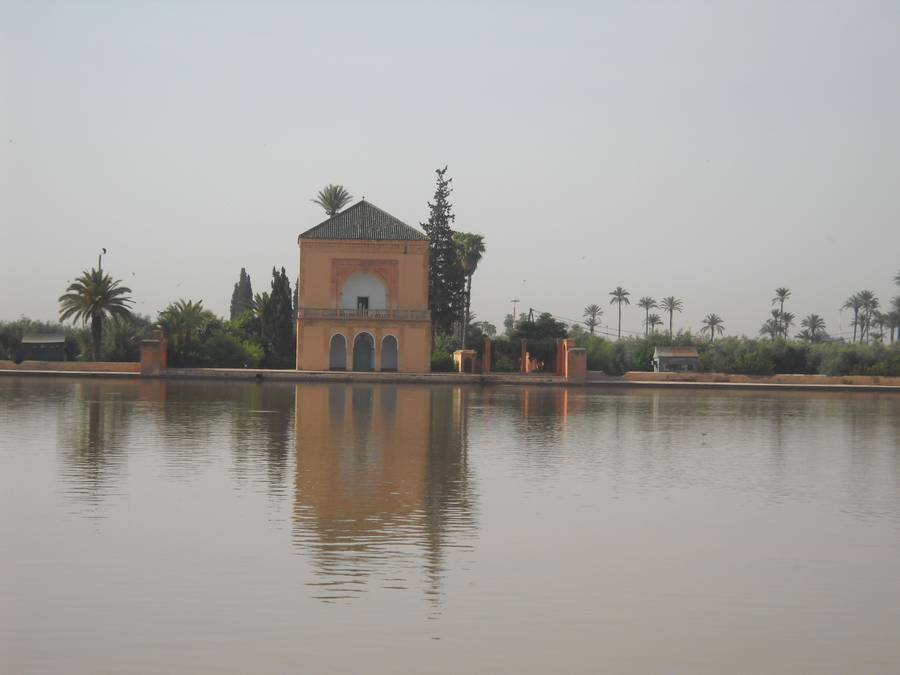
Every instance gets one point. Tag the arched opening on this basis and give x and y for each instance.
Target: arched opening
(362, 292)
(337, 355)
(363, 353)
(389, 354)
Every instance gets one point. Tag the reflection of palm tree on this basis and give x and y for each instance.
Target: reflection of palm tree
(94, 436)
(713, 324)
(261, 428)
(647, 303)
(591, 314)
(671, 304)
(95, 296)
(620, 297)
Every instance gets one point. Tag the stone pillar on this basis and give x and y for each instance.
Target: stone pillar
(523, 364)
(486, 356)
(576, 365)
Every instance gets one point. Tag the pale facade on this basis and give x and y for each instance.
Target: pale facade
(363, 298)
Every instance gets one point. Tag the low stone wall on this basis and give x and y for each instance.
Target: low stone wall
(72, 366)
(722, 378)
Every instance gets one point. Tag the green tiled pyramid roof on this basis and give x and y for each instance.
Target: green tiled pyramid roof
(363, 221)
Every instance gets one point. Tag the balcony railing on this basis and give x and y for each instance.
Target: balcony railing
(365, 314)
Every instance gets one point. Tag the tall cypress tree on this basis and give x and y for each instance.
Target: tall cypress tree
(281, 318)
(446, 280)
(242, 296)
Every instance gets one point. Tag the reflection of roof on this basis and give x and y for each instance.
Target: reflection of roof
(675, 352)
(43, 338)
(363, 221)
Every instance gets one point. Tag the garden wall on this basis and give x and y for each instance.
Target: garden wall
(74, 366)
(638, 376)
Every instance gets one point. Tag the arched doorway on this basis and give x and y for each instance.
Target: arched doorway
(389, 355)
(337, 355)
(363, 353)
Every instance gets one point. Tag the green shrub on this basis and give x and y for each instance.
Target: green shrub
(441, 362)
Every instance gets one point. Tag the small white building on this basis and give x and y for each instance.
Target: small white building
(676, 359)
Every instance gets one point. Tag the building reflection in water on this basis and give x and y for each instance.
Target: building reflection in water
(382, 486)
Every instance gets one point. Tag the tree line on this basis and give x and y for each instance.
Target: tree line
(261, 327)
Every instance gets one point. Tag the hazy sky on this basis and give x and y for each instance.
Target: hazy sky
(707, 150)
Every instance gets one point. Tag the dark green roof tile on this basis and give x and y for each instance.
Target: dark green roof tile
(363, 221)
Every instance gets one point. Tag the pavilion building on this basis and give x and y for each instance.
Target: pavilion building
(363, 294)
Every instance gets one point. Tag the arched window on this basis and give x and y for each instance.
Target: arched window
(390, 358)
(364, 291)
(337, 355)
(363, 353)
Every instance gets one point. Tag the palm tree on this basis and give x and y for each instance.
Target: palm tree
(620, 297)
(653, 320)
(897, 278)
(868, 305)
(671, 305)
(95, 296)
(332, 198)
(787, 320)
(647, 303)
(781, 294)
(183, 320)
(591, 316)
(895, 314)
(770, 327)
(855, 303)
(894, 318)
(469, 249)
(713, 324)
(883, 320)
(814, 326)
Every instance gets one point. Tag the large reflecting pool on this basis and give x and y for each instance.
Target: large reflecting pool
(188, 527)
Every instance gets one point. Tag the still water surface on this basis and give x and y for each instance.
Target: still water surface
(186, 527)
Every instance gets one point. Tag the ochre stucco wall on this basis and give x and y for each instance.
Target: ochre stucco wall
(413, 342)
(326, 265)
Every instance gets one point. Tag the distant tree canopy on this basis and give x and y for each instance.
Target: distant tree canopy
(446, 281)
(543, 327)
(280, 320)
(242, 296)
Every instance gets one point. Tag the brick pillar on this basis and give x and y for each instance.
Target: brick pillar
(523, 361)
(153, 353)
(576, 365)
(559, 366)
(486, 356)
